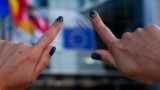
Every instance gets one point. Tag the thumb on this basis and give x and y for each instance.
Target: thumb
(105, 56)
(44, 60)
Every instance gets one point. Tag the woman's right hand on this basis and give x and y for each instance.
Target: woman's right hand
(136, 55)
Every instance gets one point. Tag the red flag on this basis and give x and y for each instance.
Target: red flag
(21, 17)
(40, 23)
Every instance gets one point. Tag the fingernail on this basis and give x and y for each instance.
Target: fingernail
(96, 56)
(59, 19)
(92, 14)
(53, 49)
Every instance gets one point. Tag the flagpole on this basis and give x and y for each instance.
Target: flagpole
(3, 29)
(2, 32)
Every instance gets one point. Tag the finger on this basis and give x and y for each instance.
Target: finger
(44, 60)
(104, 32)
(105, 56)
(49, 36)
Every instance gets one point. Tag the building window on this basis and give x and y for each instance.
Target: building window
(94, 1)
(81, 3)
(41, 3)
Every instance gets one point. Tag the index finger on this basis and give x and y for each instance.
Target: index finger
(103, 31)
(49, 35)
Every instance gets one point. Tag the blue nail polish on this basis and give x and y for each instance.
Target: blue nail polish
(92, 14)
(96, 56)
(59, 19)
(53, 49)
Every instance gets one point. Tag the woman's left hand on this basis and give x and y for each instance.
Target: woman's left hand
(20, 64)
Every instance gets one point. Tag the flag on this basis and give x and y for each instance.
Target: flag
(78, 38)
(22, 20)
(20, 15)
(4, 8)
(40, 24)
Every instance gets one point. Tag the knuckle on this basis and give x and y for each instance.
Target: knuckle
(138, 30)
(151, 26)
(127, 35)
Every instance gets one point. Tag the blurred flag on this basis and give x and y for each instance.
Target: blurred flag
(20, 15)
(4, 8)
(79, 38)
(22, 19)
(40, 24)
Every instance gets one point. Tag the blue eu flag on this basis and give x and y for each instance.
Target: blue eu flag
(78, 38)
(4, 8)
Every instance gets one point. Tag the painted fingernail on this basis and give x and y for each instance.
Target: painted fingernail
(96, 56)
(53, 49)
(59, 19)
(92, 14)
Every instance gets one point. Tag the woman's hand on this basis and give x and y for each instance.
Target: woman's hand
(136, 55)
(20, 64)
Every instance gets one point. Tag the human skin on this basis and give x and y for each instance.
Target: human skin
(20, 64)
(136, 55)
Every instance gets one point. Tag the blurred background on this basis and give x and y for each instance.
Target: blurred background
(71, 67)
